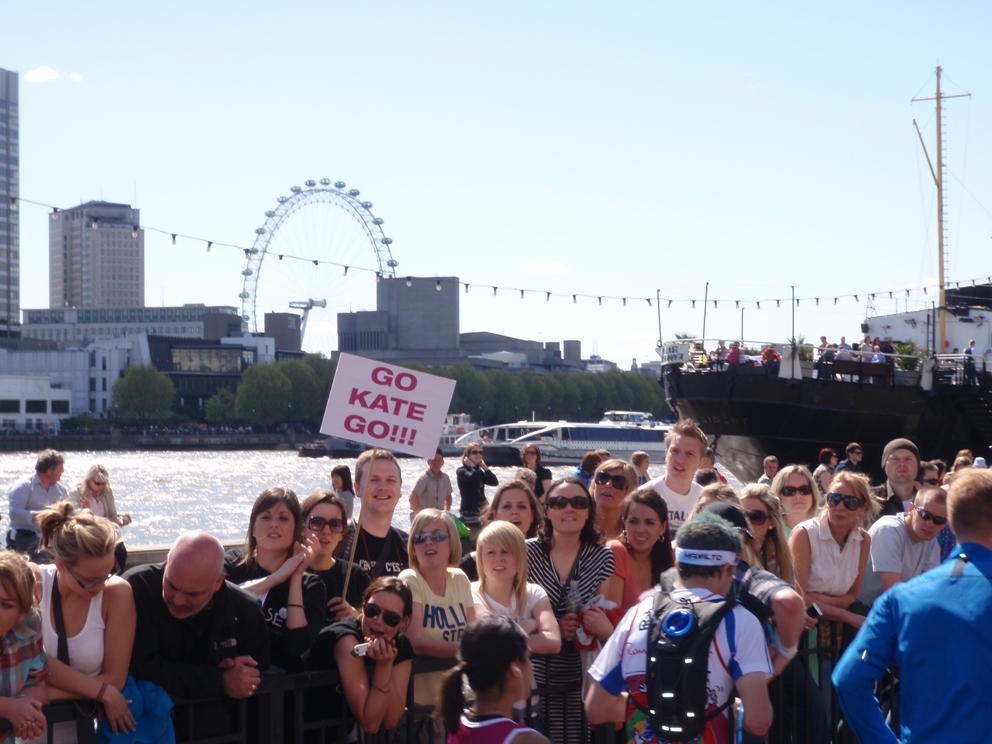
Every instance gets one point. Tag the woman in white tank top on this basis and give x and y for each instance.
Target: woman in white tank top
(97, 609)
(830, 551)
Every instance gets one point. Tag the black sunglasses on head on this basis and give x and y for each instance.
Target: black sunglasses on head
(617, 481)
(576, 502)
(390, 618)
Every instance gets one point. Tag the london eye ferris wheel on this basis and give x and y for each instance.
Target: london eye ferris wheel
(319, 253)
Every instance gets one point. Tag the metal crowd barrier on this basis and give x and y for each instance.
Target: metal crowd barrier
(309, 707)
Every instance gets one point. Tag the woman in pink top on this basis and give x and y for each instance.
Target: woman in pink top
(644, 550)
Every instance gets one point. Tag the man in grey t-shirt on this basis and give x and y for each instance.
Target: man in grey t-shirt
(903, 545)
(433, 489)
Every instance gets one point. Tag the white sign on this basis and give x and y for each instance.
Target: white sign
(675, 354)
(390, 407)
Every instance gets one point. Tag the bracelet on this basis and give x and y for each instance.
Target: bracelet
(387, 690)
(295, 605)
(788, 653)
(99, 695)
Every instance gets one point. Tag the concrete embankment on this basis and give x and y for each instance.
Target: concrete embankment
(119, 440)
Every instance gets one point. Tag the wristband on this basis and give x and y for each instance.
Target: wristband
(99, 695)
(788, 653)
(295, 605)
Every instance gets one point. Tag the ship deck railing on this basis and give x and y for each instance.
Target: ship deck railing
(310, 707)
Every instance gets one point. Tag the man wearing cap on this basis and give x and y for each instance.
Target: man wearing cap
(935, 627)
(901, 462)
(903, 545)
(706, 560)
(852, 462)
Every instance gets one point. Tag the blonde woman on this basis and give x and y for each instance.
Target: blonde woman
(795, 488)
(442, 596)
(95, 494)
(503, 589)
(764, 515)
(830, 551)
(611, 483)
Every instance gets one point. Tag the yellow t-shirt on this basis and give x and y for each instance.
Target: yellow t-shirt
(444, 619)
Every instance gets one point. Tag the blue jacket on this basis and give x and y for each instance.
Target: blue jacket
(935, 627)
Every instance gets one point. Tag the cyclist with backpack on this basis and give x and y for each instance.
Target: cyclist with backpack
(643, 677)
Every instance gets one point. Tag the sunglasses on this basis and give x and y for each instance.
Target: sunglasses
(617, 481)
(924, 514)
(856, 452)
(530, 453)
(576, 502)
(475, 452)
(757, 516)
(795, 490)
(91, 584)
(851, 503)
(438, 536)
(316, 524)
(931, 481)
(390, 618)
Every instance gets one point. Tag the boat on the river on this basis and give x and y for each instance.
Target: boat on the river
(564, 443)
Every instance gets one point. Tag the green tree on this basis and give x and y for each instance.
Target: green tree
(324, 368)
(308, 401)
(219, 408)
(264, 395)
(473, 393)
(143, 394)
(510, 396)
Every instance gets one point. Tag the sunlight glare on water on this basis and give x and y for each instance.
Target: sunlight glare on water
(167, 493)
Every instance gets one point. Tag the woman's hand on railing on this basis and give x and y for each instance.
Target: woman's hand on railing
(119, 715)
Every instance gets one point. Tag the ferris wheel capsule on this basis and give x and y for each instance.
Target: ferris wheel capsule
(386, 241)
(310, 183)
(270, 213)
(296, 189)
(354, 192)
(325, 181)
(367, 205)
(260, 231)
(339, 184)
(377, 220)
(282, 199)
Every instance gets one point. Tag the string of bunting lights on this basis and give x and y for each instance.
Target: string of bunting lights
(664, 302)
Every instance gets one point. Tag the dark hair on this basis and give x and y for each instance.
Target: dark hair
(661, 553)
(530, 445)
(324, 496)
(590, 532)
(941, 466)
(590, 461)
(344, 473)
(706, 531)
(706, 476)
(48, 459)
(269, 498)
(826, 455)
(851, 447)
(391, 585)
(487, 649)
(536, 510)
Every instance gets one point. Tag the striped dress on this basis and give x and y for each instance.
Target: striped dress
(563, 716)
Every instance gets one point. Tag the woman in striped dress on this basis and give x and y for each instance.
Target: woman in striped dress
(573, 566)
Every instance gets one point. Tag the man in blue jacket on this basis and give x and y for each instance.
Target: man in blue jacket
(935, 627)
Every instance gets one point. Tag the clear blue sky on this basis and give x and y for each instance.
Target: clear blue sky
(604, 149)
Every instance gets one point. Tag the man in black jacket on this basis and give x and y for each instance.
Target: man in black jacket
(198, 636)
(901, 462)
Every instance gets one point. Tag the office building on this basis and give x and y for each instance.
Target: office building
(96, 257)
(10, 244)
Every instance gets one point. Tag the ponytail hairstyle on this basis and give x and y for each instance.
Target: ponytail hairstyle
(70, 535)
(487, 649)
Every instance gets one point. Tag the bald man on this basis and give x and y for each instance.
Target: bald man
(198, 635)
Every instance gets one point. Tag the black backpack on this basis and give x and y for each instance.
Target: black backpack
(679, 637)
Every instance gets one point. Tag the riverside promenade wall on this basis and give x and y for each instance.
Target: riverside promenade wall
(119, 440)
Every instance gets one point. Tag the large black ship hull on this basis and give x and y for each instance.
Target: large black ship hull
(749, 413)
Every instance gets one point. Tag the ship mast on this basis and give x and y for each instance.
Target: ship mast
(938, 179)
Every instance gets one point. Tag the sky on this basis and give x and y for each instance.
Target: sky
(636, 149)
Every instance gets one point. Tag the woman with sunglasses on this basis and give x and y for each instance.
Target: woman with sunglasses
(495, 662)
(795, 489)
(611, 483)
(442, 595)
(644, 550)
(377, 679)
(530, 456)
(95, 494)
(273, 565)
(97, 610)
(830, 552)
(513, 502)
(573, 566)
(764, 516)
(324, 520)
(473, 477)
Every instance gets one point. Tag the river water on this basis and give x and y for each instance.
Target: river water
(167, 493)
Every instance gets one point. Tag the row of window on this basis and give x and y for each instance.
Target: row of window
(33, 406)
(128, 315)
(56, 334)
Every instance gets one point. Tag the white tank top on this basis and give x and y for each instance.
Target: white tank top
(832, 570)
(86, 647)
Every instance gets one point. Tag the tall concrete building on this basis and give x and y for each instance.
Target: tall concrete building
(10, 242)
(96, 257)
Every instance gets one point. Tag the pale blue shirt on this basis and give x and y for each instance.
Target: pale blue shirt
(30, 496)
